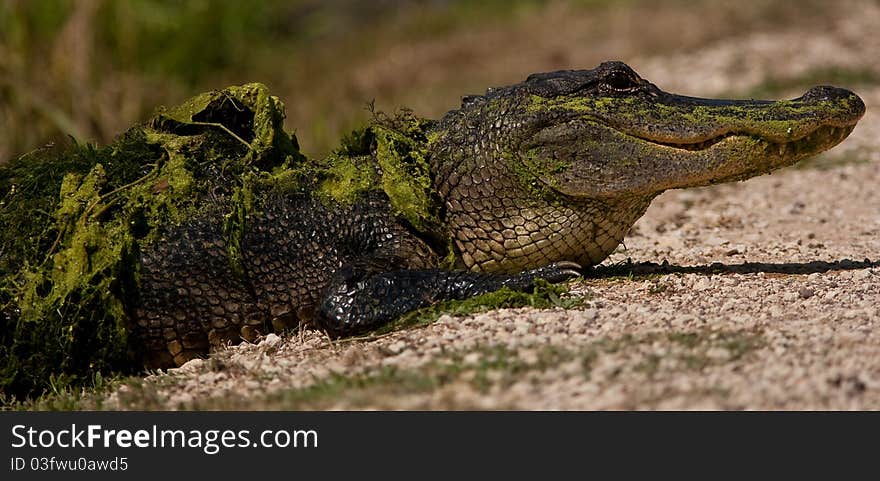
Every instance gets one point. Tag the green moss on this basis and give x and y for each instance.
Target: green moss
(235, 222)
(402, 157)
(346, 178)
(539, 173)
(390, 156)
(450, 261)
(533, 177)
(79, 216)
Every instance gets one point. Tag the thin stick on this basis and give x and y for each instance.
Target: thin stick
(224, 128)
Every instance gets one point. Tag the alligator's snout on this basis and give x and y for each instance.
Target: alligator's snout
(827, 92)
(837, 95)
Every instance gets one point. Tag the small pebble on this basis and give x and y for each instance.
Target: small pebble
(397, 347)
(271, 340)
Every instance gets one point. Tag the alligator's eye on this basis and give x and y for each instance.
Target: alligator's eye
(619, 81)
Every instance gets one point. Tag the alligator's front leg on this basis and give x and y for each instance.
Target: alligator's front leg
(359, 300)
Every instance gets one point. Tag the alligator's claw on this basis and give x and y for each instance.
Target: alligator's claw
(556, 272)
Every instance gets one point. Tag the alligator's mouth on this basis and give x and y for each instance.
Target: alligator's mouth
(822, 138)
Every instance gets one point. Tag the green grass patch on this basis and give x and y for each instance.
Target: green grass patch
(691, 348)
(484, 369)
(496, 365)
(544, 296)
(64, 397)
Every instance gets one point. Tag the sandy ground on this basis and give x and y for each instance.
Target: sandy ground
(762, 294)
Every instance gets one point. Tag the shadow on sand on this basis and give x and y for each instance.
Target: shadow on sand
(633, 269)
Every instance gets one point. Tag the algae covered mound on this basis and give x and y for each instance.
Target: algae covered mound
(74, 219)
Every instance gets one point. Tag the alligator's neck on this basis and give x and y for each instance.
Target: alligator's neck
(504, 218)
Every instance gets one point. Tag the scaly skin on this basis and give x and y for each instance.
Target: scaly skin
(525, 182)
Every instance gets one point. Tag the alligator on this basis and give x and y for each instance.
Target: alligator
(536, 180)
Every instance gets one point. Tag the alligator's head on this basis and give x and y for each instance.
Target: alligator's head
(575, 157)
(609, 132)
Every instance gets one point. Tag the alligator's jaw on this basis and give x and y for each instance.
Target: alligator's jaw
(757, 155)
(826, 134)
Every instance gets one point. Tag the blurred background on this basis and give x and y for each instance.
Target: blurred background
(88, 69)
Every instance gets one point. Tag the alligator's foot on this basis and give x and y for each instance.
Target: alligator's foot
(553, 273)
(359, 301)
